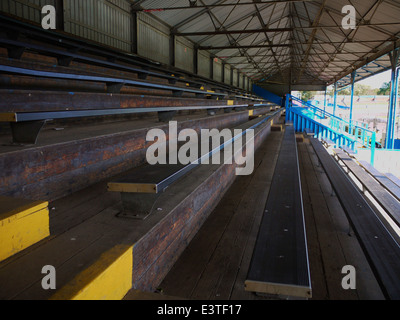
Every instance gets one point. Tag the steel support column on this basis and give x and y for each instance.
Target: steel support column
(59, 6)
(134, 31)
(394, 59)
(353, 78)
(335, 99)
(172, 45)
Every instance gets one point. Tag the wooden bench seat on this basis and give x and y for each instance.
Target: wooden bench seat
(67, 48)
(141, 189)
(328, 143)
(393, 178)
(383, 179)
(309, 132)
(379, 246)
(66, 57)
(377, 191)
(114, 85)
(26, 126)
(348, 150)
(280, 262)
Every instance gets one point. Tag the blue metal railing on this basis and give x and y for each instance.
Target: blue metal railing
(326, 125)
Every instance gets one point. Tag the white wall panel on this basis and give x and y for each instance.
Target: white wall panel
(217, 69)
(227, 77)
(104, 21)
(26, 9)
(184, 53)
(204, 64)
(153, 39)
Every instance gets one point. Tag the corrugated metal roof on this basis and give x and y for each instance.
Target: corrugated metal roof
(298, 42)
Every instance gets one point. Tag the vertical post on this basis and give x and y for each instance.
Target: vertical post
(223, 72)
(134, 31)
(59, 6)
(353, 78)
(172, 49)
(211, 67)
(326, 92)
(196, 59)
(287, 102)
(394, 59)
(335, 100)
(373, 148)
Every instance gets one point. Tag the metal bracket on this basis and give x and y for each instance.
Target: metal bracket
(238, 109)
(114, 87)
(142, 75)
(177, 93)
(228, 110)
(26, 132)
(64, 61)
(172, 81)
(166, 116)
(137, 205)
(15, 52)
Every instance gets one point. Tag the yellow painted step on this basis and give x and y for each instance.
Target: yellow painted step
(22, 224)
(109, 278)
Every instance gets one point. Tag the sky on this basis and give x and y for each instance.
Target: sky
(376, 82)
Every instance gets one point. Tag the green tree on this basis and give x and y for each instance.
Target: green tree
(385, 89)
(363, 90)
(307, 95)
(344, 92)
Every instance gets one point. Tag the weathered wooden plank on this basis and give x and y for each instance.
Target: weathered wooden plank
(280, 261)
(331, 253)
(381, 249)
(380, 194)
(39, 101)
(392, 187)
(52, 171)
(367, 285)
(393, 178)
(198, 273)
(184, 221)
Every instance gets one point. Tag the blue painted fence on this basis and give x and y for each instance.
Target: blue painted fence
(268, 95)
(306, 117)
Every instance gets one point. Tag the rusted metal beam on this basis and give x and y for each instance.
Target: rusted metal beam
(316, 22)
(215, 5)
(38, 101)
(66, 167)
(273, 30)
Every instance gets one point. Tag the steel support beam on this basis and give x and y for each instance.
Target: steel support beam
(59, 6)
(353, 78)
(394, 59)
(215, 5)
(134, 32)
(335, 99)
